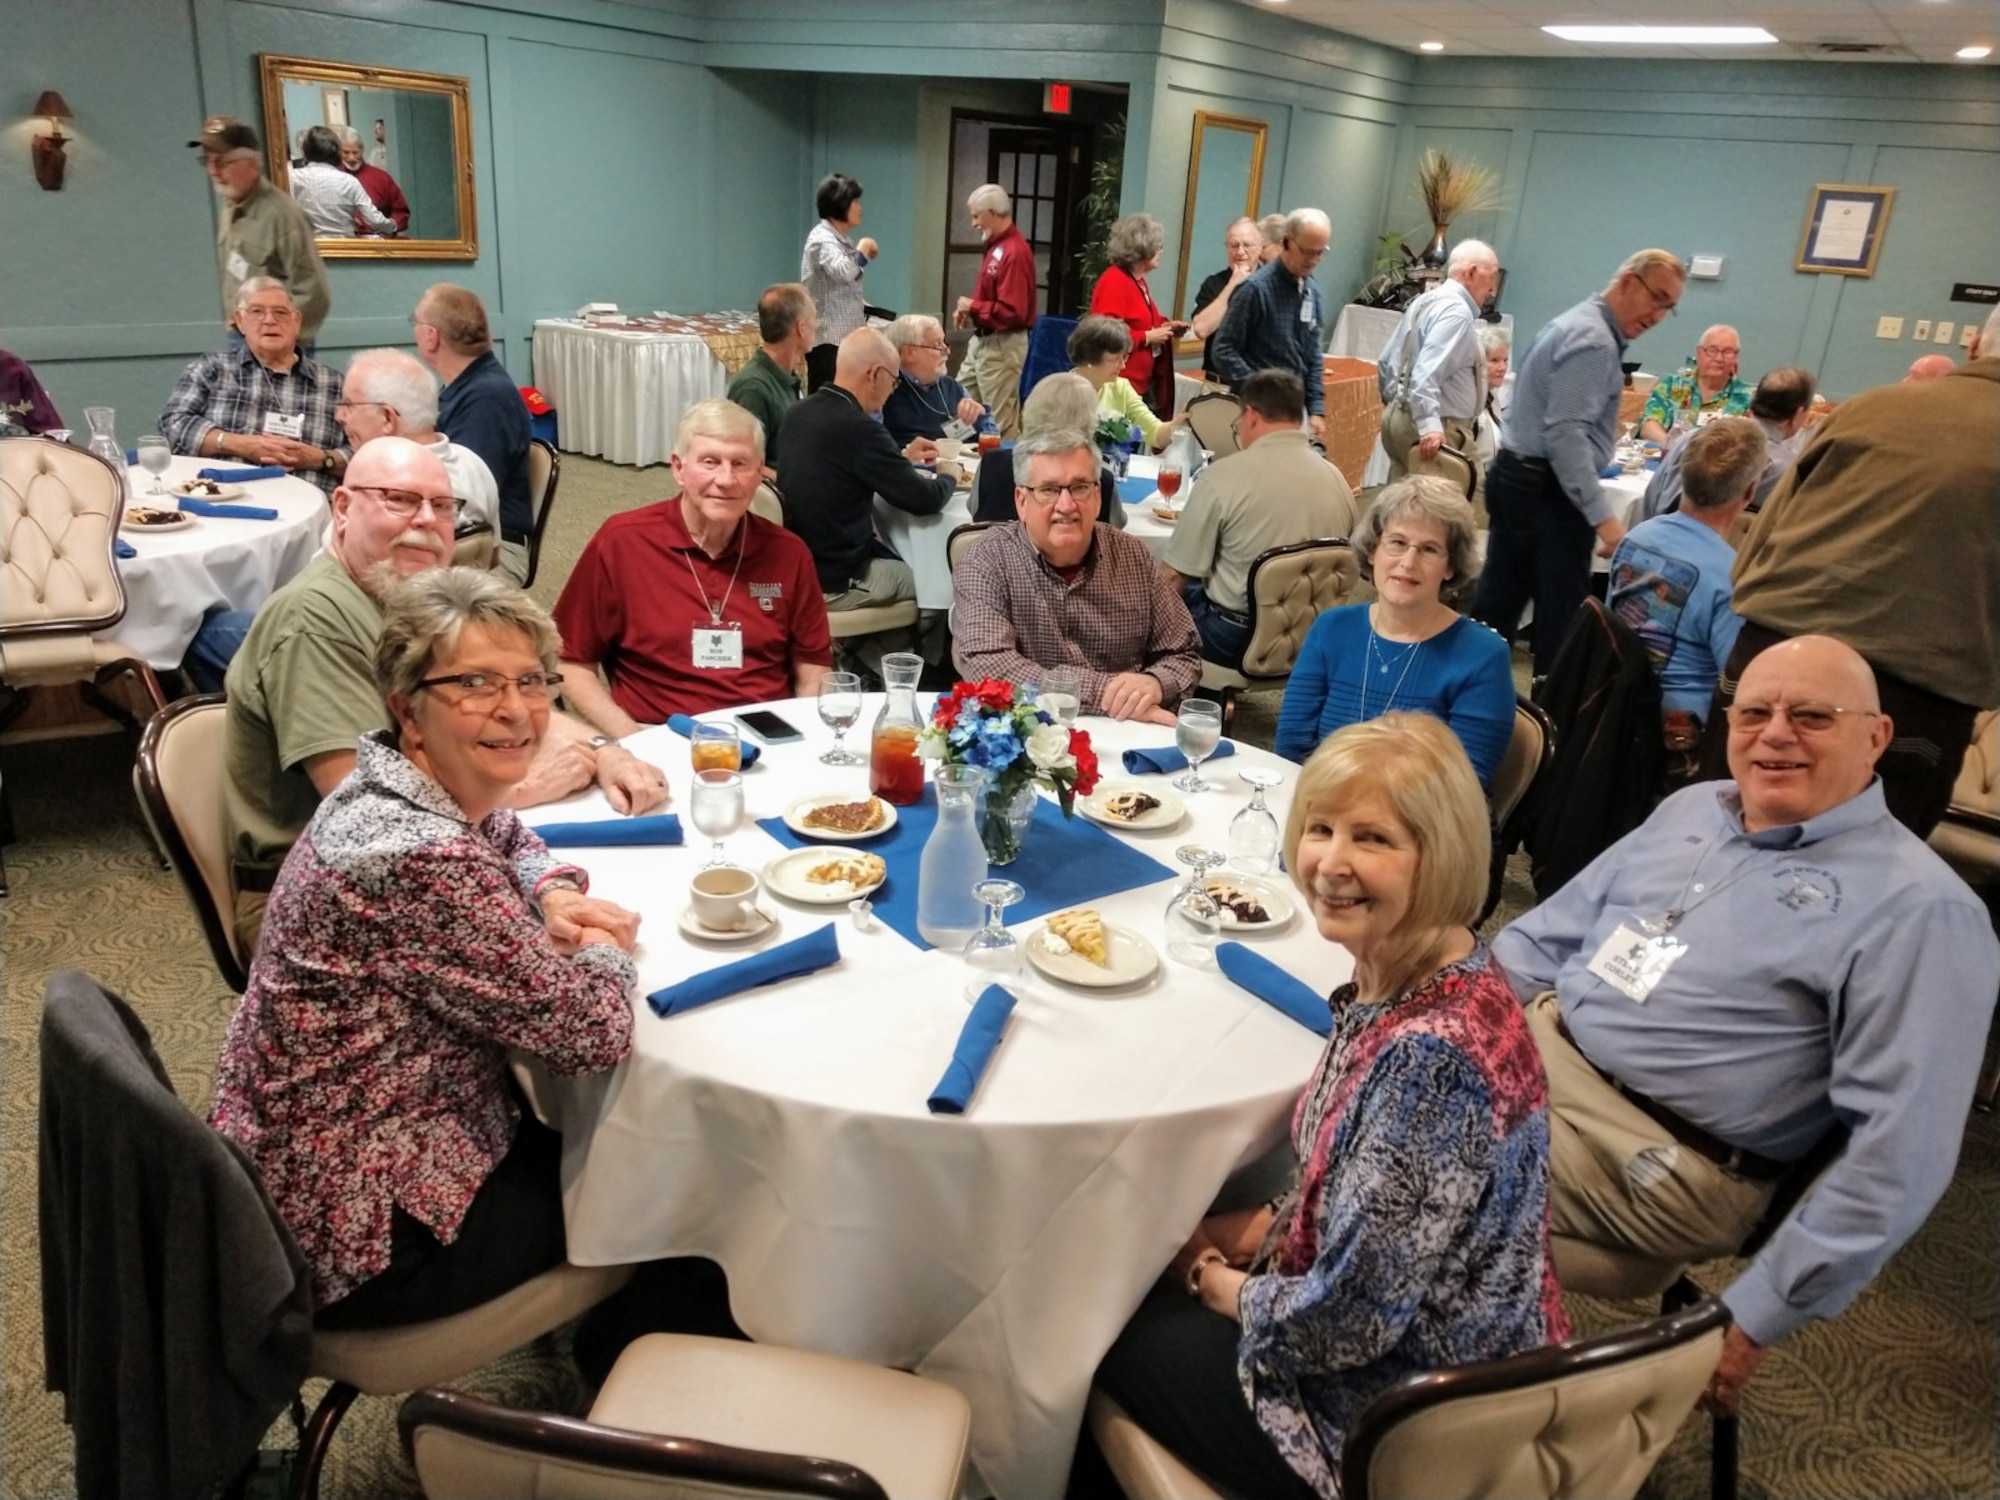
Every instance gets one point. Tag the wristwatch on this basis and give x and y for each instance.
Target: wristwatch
(326, 461)
(599, 741)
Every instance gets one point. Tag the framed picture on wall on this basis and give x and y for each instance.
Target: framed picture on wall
(333, 104)
(1844, 229)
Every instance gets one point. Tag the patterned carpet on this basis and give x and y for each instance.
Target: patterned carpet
(1896, 1398)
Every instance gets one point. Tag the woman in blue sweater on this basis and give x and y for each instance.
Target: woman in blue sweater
(1409, 649)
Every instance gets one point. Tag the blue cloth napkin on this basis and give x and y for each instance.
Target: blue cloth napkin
(612, 833)
(786, 961)
(683, 726)
(123, 548)
(239, 475)
(1269, 983)
(977, 1042)
(225, 512)
(1167, 758)
(1133, 490)
(1062, 863)
(1612, 471)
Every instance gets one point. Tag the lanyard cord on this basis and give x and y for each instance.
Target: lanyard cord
(715, 610)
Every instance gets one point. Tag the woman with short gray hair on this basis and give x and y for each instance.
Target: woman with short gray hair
(1134, 248)
(1409, 649)
(1059, 403)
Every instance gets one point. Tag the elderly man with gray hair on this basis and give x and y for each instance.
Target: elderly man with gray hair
(1543, 496)
(263, 232)
(1000, 310)
(389, 393)
(926, 402)
(380, 187)
(1432, 371)
(1277, 318)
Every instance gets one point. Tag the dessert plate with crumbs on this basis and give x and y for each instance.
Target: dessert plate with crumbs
(840, 819)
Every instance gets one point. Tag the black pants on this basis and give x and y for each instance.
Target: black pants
(1917, 769)
(1173, 1369)
(1538, 548)
(820, 360)
(513, 1231)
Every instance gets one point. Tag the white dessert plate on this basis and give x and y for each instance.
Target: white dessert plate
(197, 489)
(129, 522)
(786, 875)
(1269, 894)
(1170, 811)
(1129, 958)
(795, 819)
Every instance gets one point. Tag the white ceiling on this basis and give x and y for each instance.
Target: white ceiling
(1913, 30)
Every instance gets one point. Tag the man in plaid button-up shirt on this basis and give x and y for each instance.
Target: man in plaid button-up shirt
(265, 403)
(1057, 588)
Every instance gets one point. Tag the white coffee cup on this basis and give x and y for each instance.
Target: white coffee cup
(724, 898)
(949, 450)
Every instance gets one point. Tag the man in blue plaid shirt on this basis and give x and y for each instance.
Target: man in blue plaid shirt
(265, 403)
(1277, 320)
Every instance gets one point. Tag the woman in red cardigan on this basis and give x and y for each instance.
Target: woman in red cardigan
(1134, 246)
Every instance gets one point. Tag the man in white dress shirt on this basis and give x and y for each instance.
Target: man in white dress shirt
(1432, 371)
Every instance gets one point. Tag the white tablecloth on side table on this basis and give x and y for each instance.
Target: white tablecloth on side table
(179, 576)
(1360, 332)
(619, 393)
(922, 541)
(783, 1132)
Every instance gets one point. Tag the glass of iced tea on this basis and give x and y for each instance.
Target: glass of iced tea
(1170, 482)
(895, 774)
(715, 747)
(988, 441)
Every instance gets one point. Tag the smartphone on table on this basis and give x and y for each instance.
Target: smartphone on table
(767, 728)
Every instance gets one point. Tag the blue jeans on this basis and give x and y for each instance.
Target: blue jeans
(215, 643)
(1222, 639)
(1538, 549)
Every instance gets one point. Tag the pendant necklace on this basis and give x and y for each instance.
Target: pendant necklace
(1371, 658)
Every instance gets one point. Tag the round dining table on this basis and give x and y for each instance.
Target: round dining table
(783, 1132)
(175, 577)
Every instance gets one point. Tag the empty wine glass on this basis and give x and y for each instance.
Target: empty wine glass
(154, 455)
(1062, 691)
(992, 952)
(1253, 833)
(1194, 918)
(1196, 734)
(839, 707)
(715, 807)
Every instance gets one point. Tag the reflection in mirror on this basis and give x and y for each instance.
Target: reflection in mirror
(1225, 176)
(405, 139)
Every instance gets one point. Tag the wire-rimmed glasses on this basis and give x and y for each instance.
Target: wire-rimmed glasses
(1197, 732)
(839, 707)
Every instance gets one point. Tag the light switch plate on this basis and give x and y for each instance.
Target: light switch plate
(1922, 331)
(1888, 328)
(1944, 332)
(1966, 335)
(1706, 267)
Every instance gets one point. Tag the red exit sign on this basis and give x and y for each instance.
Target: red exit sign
(1055, 98)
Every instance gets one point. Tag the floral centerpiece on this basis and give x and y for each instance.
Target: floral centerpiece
(1007, 733)
(1117, 439)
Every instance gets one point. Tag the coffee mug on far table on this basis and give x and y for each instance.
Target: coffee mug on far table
(949, 450)
(724, 897)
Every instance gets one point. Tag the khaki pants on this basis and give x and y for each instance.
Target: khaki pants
(1616, 1177)
(886, 581)
(512, 559)
(250, 922)
(992, 373)
(1400, 435)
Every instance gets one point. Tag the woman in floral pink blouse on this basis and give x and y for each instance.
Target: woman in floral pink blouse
(416, 932)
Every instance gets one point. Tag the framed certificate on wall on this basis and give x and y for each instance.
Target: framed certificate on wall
(1844, 229)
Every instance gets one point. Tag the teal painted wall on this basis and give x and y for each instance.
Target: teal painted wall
(1599, 159)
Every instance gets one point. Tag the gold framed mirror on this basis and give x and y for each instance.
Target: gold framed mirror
(412, 133)
(1225, 177)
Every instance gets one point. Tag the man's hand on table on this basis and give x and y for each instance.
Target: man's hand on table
(632, 786)
(262, 448)
(575, 920)
(1132, 695)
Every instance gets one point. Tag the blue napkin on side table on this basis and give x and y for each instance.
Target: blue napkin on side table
(223, 474)
(1168, 758)
(976, 1044)
(612, 833)
(803, 955)
(123, 548)
(1274, 986)
(683, 726)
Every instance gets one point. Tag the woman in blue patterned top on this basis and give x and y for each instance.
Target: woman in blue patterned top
(1410, 649)
(1417, 1234)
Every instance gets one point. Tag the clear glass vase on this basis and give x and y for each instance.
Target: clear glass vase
(1007, 807)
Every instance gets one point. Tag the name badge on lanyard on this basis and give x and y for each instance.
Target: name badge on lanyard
(718, 648)
(1633, 962)
(285, 424)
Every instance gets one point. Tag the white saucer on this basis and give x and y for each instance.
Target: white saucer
(795, 819)
(786, 876)
(1273, 897)
(692, 927)
(223, 491)
(140, 528)
(1170, 811)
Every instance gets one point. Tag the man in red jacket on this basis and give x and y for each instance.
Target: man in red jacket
(1001, 309)
(377, 184)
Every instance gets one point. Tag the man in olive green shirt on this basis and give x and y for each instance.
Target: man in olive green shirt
(788, 322)
(263, 231)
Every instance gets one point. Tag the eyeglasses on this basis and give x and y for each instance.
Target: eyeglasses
(1806, 718)
(1714, 349)
(267, 314)
(1396, 546)
(936, 348)
(404, 504)
(489, 687)
(1664, 303)
(1048, 494)
(341, 406)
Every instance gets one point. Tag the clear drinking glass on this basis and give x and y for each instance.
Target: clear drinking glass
(715, 807)
(1194, 919)
(839, 707)
(1062, 690)
(715, 747)
(1196, 734)
(154, 455)
(992, 953)
(1253, 833)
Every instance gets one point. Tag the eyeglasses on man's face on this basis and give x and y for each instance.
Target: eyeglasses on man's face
(268, 314)
(1047, 494)
(482, 689)
(1714, 351)
(1806, 718)
(341, 406)
(1661, 301)
(405, 504)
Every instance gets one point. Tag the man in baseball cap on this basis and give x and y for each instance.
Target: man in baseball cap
(263, 232)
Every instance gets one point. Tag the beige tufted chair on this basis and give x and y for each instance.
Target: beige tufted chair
(1968, 836)
(59, 510)
(1210, 417)
(1289, 587)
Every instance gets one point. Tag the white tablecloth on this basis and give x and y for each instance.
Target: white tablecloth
(783, 1132)
(1360, 332)
(179, 576)
(619, 393)
(921, 542)
(1139, 518)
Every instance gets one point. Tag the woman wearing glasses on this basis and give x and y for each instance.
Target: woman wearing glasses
(416, 932)
(1410, 649)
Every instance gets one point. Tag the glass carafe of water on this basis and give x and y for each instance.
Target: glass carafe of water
(953, 862)
(103, 440)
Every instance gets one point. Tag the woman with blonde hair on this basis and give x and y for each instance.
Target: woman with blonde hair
(1416, 1236)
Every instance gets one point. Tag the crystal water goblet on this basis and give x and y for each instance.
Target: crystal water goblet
(839, 707)
(715, 807)
(1194, 917)
(154, 455)
(992, 953)
(1197, 732)
(1253, 832)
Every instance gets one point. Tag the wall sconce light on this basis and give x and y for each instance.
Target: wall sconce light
(49, 158)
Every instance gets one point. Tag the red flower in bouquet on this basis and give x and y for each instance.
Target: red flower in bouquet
(1086, 762)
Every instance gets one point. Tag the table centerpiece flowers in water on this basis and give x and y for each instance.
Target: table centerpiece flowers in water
(1005, 732)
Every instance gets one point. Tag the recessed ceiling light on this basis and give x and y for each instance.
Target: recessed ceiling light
(1973, 54)
(1658, 36)
(1430, 46)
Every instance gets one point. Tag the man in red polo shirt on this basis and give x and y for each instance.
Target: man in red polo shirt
(1001, 309)
(693, 604)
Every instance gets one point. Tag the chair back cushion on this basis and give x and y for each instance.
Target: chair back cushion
(59, 511)
(1976, 793)
(767, 504)
(963, 539)
(1209, 417)
(180, 780)
(1527, 749)
(1289, 588)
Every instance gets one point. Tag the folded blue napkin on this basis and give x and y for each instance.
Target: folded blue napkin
(683, 726)
(1167, 758)
(223, 475)
(1612, 471)
(786, 961)
(1269, 983)
(1133, 490)
(225, 512)
(123, 548)
(612, 833)
(976, 1043)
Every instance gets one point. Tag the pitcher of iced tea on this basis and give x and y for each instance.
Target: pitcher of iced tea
(894, 772)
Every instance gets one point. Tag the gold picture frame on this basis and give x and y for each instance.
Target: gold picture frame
(1235, 182)
(1845, 224)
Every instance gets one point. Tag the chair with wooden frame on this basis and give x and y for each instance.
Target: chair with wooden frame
(1289, 588)
(178, 779)
(544, 473)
